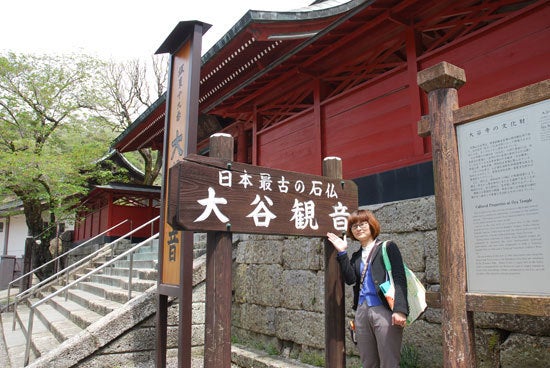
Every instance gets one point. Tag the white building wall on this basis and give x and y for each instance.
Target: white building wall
(3, 235)
(16, 236)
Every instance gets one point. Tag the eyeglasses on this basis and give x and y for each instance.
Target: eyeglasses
(362, 225)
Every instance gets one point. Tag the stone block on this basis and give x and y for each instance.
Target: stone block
(303, 253)
(301, 327)
(432, 258)
(302, 290)
(427, 340)
(405, 216)
(260, 284)
(524, 324)
(412, 247)
(138, 339)
(260, 251)
(142, 359)
(525, 351)
(257, 318)
(487, 348)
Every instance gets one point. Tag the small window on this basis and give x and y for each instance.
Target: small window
(1, 227)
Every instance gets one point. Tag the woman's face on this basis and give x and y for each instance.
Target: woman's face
(361, 232)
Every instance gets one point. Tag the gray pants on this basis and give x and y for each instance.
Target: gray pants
(378, 341)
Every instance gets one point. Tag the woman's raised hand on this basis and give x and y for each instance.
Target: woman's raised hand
(339, 244)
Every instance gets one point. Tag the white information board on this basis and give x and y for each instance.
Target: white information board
(505, 179)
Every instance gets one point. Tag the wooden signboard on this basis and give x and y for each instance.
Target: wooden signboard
(212, 194)
(488, 157)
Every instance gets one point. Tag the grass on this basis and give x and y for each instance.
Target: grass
(409, 357)
(312, 358)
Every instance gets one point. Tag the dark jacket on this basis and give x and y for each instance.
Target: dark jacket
(351, 271)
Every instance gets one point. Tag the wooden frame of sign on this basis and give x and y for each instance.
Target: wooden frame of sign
(217, 195)
(441, 83)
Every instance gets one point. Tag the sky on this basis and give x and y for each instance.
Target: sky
(116, 29)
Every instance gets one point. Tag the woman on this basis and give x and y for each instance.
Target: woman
(379, 330)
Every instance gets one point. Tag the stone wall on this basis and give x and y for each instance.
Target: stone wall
(279, 295)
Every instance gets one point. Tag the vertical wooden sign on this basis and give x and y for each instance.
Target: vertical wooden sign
(180, 139)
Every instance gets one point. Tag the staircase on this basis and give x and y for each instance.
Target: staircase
(72, 327)
(97, 326)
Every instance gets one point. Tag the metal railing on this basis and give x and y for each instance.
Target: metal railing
(73, 268)
(28, 334)
(45, 281)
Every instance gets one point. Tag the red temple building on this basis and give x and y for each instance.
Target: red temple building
(338, 78)
(109, 205)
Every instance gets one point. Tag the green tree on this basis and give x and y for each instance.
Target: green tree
(49, 135)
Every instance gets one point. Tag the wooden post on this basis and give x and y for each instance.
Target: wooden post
(441, 83)
(185, 301)
(335, 345)
(161, 329)
(217, 341)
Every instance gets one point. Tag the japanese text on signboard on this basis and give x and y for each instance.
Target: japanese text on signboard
(262, 201)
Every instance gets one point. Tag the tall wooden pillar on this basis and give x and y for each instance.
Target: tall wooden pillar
(335, 323)
(217, 340)
(441, 82)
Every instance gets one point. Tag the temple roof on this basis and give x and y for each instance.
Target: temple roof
(245, 53)
(266, 63)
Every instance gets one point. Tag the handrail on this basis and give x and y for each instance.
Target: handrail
(73, 266)
(58, 257)
(66, 287)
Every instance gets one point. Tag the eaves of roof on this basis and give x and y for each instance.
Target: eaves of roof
(10, 207)
(142, 128)
(316, 10)
(135, 126)
(130, 188)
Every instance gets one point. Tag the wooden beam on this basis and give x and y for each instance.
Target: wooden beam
(441, 82)
(413, 50)
(513, 304)
(507, 101)
(495, 105)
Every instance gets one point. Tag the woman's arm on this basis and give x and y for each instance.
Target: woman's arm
(346, 267)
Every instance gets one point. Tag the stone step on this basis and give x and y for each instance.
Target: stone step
(42, 342)
(150, 248)
(107, 291)
(149, 264)
(121, 282)
(63, 321)
(145, 256)
(245, 357)
(91, 301)
(140, 273)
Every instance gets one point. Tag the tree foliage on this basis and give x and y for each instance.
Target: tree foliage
(50, 132)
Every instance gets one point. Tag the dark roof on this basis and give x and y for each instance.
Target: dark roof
(10, 207)
(129, 188)
(146, 131)
(118, 158)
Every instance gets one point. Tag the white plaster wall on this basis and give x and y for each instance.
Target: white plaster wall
(3, 235)
(17, 235)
